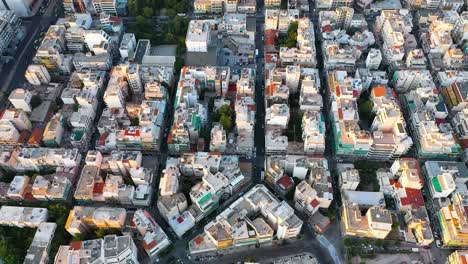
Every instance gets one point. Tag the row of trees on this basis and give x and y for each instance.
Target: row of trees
(150, 8)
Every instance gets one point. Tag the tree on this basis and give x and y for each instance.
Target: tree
(133, 7)
(79, 237)
(179, 63)
(226, 122)
(148, 12)
(35, 101)
(250, 259)
(135, 121)
(379, 243)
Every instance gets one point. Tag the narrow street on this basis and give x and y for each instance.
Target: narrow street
(259, 141)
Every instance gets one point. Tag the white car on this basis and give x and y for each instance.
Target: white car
(438, 244)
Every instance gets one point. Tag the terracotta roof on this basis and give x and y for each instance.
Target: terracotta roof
(98, 188)
(314, 203)
(379, 91)
(413, 197)
(285, 182)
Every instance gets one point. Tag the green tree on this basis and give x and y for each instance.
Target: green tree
(133, 7)
(250, 259)
(171, 12)
(226, 122)
(379, 243)
(135, 121)
(179, 63)
(148, 12)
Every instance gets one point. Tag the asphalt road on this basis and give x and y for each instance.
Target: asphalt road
(259, 141)
(308, 243)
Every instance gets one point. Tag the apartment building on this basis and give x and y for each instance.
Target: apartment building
(18, 118)
(313, 132)
(20, 8)
(374, 59)
(233, 23)
(349, 177)
(38, 251)
(305, 198)
(218, 138)
(393, 26)
(455, 90)
(376, 223)
(190, 116)
(37, 75)
(418, 222)
(460, 125)
(445, 177)
(151, 234)
(105, 6)
(22, 216)
(128, 46)
(85, 219)
(110, 249)
(169, 183)
(406, 80)
(21, 99)
(231, 228)
(453, 222)
(305, 53)
(457, 257)
(427, 112)
(310, 99)
(199, 35)
(35, 159)
(208, 6)
(338, 56)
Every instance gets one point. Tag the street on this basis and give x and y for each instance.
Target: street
(13, 74)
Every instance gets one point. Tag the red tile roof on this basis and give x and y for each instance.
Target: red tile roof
(314, 203)
(36, 136)
(413, 197)
(76, 245)
(285, 182)
(150, 245)
(198, 240)
(98, 188)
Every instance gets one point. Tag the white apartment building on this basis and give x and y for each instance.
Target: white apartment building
(234, 23)
(313, 132)
(21, 8)
(37, 74)
(128, 46)
(218, 138)
(373, 60)
(277, 115)
(153, 237)
(18, 118)
(21, 99)
(169, 184)
(9, 25)
(305, 198)
(198, 35)
(22, 216)
(105, 6)
(111, 249)
(349, 177)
